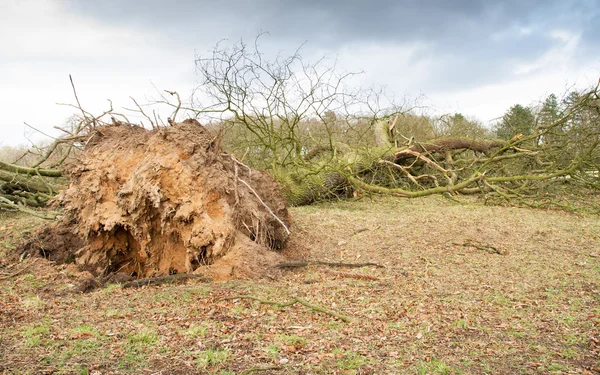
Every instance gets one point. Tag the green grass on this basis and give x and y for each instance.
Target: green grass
(435, 367)
(143, 338)
(272, 351)
(35, 334)
(85, 329)
(351, 361)
(334, 325)
(195, 330)
(292, 340)
(33, 281)
(110, 289)
(212, 357)
(32, 302)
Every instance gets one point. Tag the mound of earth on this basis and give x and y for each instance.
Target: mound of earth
(165, 201)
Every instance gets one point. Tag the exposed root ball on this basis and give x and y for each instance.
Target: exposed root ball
(157, 202)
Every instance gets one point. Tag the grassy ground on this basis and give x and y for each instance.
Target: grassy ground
(466, 290)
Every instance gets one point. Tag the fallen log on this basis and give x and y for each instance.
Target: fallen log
(30, 171)
(448, 144)
(33, 184)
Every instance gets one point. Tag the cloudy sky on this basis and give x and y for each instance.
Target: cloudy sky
(477, 57)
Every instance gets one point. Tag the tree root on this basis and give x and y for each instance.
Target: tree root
(293, 301)
(163, 280)
(91, 284)
(330, 264)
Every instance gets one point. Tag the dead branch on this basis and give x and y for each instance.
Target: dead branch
(50, 216)
(451, 144)
(30, 171)
(174, 115)
(330, 264)
(422, 157)
(26, 184)
(490, 249)
(16, 273)
(48, 152)
(84, 113)
(404, 170)
(355, 276)
(38, 130)
(163, 280)
(398, 192)
(265, 205)
(293, 301)
(141, 110)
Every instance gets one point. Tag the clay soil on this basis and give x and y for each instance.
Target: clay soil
(466, 289)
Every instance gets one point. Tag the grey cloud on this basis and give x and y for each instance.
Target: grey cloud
(336, 21)
(458, 33)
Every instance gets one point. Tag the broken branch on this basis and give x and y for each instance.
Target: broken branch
(163, 279)
(330, 264)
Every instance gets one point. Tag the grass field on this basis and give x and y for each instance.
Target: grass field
(466, 289)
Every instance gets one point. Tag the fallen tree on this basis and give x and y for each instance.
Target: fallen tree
(526, 170)
(319, 141)
(22, 187)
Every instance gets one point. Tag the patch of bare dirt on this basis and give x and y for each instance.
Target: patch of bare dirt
(55, 243)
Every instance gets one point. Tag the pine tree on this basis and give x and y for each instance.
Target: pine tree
(550, 110)
(517, 120)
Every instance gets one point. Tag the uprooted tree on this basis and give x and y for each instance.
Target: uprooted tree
(179, 197)
(164, 201)
(320, 140)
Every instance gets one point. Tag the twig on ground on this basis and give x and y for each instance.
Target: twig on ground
(16, 273)
(163, 279)
(330, 264)
(356, 276)
(359, 231)
(293, 301)
(488, 248)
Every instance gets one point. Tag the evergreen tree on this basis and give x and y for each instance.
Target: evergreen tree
(550, 110)
(517, 120)
(577, 119)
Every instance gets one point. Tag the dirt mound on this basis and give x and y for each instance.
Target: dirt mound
(55, 243)
(157, 202)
